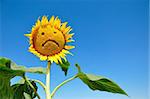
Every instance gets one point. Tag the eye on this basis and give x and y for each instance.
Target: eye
(42, 33)
(55, 32)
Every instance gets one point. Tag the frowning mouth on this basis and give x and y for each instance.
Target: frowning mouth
(50, 41)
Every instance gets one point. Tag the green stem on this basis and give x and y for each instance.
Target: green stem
(26, 79)
(41, 83)
(48, 95)
(64, 82)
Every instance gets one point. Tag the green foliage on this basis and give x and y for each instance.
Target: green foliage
(64, 66)
(26, 89)
(8, 70)
(6, 73)
(5, 89)
(100, 83)
(4, 62)
(23, 90)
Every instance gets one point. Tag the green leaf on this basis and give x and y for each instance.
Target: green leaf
(100, 83)
(5, 89)
(8, 70)
(4, 62)
(23, 90)
(6, 73)
(11, 69)
(64, 66)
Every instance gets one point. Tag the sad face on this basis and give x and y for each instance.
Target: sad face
(48, 41)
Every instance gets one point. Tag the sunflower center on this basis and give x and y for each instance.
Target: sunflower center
(48, 41)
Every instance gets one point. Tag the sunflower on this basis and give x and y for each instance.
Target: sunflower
(49, 38)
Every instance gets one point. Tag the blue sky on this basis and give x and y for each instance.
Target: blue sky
(111, 40)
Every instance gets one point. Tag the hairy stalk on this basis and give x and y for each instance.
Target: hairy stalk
(48, 94)
(64, 82)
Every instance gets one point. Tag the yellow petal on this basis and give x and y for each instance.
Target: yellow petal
(69, 47)
(31, 39)
(50, 59)
(44, 20)
(31, 48)
(58, 58)
(51, 20)
(42, 58)
(57, 23)
(38, 23)
(68, 36)
(55, 59)
(28, 35)
(66, 52)
(63, 26)
(69, 41)
(67, 30)
(62, 55)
